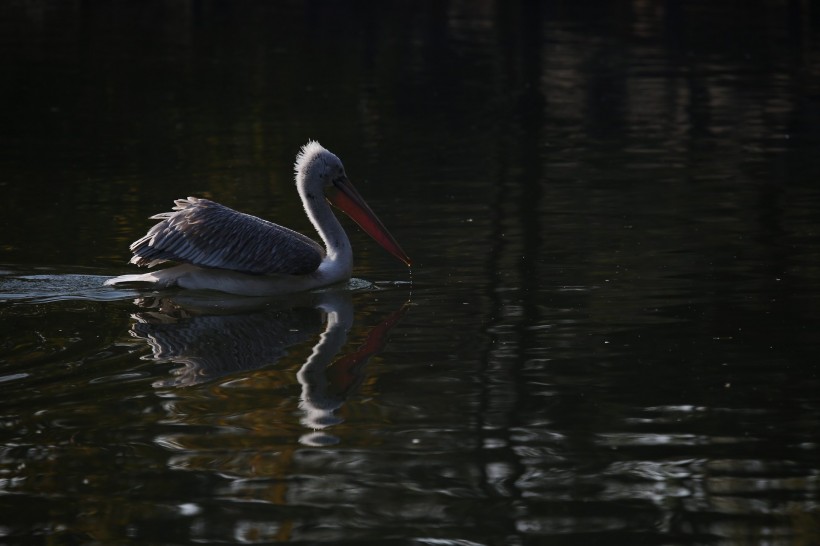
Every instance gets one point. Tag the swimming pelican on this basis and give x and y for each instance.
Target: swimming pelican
(221, 249)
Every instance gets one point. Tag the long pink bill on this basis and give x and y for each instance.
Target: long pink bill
(345, 197)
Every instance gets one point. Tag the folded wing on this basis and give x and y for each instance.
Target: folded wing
(207, 234)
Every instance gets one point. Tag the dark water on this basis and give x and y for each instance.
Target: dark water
(612, 331)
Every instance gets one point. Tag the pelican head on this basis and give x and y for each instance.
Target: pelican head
(316, 168)
(320, 172)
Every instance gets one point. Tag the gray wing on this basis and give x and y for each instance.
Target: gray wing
(204, 233)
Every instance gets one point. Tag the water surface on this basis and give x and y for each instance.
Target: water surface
(609, 336)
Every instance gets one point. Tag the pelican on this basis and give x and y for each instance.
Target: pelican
(218, 248)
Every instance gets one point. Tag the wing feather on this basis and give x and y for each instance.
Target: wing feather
(207, 234)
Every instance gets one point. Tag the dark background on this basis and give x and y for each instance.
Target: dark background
(612, 331)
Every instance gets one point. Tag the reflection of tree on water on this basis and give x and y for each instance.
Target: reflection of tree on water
(212, 338)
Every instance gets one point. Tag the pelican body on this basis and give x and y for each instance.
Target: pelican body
(218, 248)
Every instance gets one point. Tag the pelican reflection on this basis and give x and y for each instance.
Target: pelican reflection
(215, 337)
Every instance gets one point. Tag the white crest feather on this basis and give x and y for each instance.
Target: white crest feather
(306, 154)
